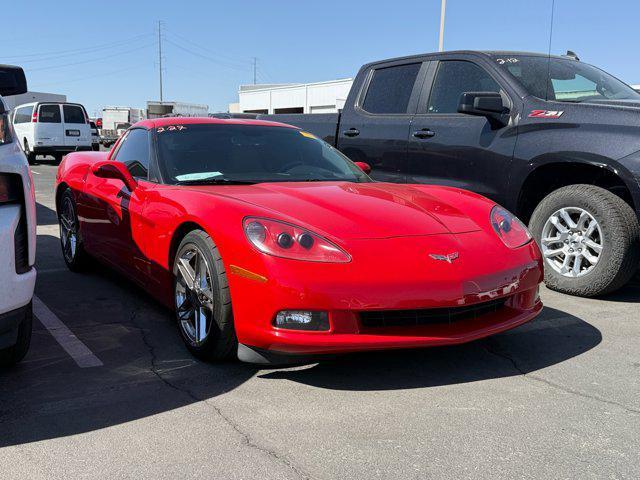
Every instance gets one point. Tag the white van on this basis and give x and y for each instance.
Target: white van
(47, 128)
(17, 231)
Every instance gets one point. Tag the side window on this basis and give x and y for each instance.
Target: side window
(73, 114)
(23, 115)
(453, 78)
(134, 152)
(49, 113)
(390, 89)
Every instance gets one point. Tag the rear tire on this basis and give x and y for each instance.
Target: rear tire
(203, 312)
(616, 230)
(12, 355)
(31, 157)
(73, 250)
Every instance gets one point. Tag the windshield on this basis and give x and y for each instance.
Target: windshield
(211, 153)
(570, 80)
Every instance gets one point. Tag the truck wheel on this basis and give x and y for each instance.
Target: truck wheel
(589, 238)
(12, 355)
(31, 157)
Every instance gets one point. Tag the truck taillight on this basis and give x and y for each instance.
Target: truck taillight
(34, 117)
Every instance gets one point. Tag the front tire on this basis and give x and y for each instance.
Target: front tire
(73, 251)
(202, 299)
(590, 240)
(12, 355)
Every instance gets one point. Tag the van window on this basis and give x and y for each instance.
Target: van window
(390, 89)
(453, 78)
(134, 152)
(49, 113)
(73, 114)
(23, 114)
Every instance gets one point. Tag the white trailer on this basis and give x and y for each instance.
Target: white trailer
(115, 120)
(176, 109)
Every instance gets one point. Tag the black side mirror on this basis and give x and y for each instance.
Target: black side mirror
(12, 80)
(485, 104)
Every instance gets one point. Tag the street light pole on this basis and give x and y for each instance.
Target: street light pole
(442, 10)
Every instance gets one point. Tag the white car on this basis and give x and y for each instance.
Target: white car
(48, 128)
(17, 231)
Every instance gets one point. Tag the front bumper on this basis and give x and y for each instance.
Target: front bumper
(375, 283)
(9, 326)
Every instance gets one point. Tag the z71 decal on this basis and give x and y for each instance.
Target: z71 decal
(546, 113)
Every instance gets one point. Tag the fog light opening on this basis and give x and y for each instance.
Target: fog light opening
(302, 320)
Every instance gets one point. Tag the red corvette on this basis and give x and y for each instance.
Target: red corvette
(267, 243)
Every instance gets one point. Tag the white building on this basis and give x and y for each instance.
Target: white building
(320, 97)
(13, 100)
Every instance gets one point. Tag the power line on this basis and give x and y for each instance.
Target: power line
(77, 51)
(81, 62)
(212, 52)
(80, 79)
(205, 57)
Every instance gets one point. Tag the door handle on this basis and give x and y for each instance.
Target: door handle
(424, 133)
(352, 132)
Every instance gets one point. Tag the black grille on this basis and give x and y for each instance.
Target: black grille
(12, 192)
(21, 244)
(431, 316)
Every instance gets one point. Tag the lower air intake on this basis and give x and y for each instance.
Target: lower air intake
(431, 316)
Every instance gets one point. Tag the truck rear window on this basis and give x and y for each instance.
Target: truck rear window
(390, 89)
(49, 114)
(73, 114)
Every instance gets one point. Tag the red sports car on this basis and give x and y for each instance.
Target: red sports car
(268, 243)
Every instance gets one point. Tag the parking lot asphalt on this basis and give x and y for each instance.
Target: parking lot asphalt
(556, 398)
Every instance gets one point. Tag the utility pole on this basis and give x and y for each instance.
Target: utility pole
(443, 7)
(255, 65)
(160, 55)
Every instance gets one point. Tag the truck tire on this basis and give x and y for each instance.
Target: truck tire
(589, 238)
(12, 355)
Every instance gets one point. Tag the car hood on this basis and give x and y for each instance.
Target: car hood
(354, 210)
(614, 103)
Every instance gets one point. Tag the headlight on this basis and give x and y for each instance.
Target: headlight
(510, 230)
(282, 239)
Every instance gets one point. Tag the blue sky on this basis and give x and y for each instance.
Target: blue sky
(105, 53)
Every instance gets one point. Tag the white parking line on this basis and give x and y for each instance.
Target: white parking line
(67, 340)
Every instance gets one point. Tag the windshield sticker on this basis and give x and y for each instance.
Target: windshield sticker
(197, 176)
(307, 134)
(170, 128)
(546, 113)
(502, 61)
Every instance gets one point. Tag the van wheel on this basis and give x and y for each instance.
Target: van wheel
(31, 157)
(12, 355)
(589, 238)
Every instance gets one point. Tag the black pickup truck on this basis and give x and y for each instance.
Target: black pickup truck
(553, 139)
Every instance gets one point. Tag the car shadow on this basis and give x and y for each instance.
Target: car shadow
(147, 370)
(553, 337)
(45, 215)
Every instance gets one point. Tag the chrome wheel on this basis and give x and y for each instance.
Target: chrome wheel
(572, 242)
(68, 229)
(194, 294)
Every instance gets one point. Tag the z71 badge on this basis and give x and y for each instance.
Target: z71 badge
(546, 113)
